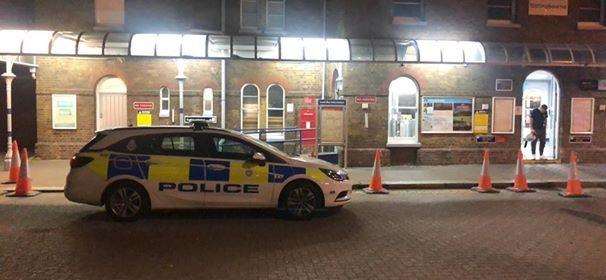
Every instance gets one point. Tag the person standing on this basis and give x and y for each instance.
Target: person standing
(538, 125)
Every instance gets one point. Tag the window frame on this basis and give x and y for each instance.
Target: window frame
(279, 135)
(242, 107)
(267, 14)
(407, 20)
(601, 21)
(164, 112)
(156, 138)
(249, 28)
(398, 140)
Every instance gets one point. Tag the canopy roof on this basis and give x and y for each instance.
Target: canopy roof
(212, 46)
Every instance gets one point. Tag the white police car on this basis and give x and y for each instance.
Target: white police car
(134, 170)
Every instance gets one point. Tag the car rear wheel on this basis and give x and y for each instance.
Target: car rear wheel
(301, 202)
(126, 202)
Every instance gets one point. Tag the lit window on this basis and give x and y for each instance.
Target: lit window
(407, 51)
(143, 44)
(451, 52)
(403, 111)
(91, 43)
(164, 102)
(592, 11)
(219, 46)
(267, 48)
(430, 51)
(10, 40)
(64, 43)
(244, 46)
(248, 14)
(292, 48)
(338, 49)
(275, 111)
(276, 14)
(361, 50)
(408, 11)
(168, 45)
(194, 45)
(250, 107)
(109, 14)
(315, 48)
(37, 42)
(117, 44)
(501, 10)
(474, 52)
(207, 102)
(384, 50)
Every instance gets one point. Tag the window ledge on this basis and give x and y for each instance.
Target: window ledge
(590, 26)
(502, 23)
(408, 21)
(403, 145)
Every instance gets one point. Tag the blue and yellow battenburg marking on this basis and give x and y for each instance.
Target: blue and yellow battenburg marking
(174, 169)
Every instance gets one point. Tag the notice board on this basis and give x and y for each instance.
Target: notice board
(581, 116)
(332, 125)
(447, 114)
(64, 111)
(503, 115)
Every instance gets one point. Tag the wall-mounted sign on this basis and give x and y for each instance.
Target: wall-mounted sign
(503, 115)
(548, 7)
(588, 84)
(447, 114)
(580, 139)
(602, 85)
(485, 139)
(581, 115)
(143, 106)
(504, 85)
(366, 99)
(64, 111)
(144, 118)
(332, 102)
(480, 122)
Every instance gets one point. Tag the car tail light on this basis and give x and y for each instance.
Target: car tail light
(79, 161)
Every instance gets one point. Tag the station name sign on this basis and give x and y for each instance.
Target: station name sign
(548, 7)
(332, 102)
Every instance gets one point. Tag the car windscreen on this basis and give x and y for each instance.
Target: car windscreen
(98, 136)
(266, 146)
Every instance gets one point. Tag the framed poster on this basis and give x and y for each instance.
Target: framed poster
(504, 85)
(503, 115)
(447, 114)
(64, 111)
(581, 115)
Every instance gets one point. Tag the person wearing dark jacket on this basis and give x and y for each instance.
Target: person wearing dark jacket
(538, 125)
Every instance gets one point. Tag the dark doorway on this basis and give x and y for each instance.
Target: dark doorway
(24, 109)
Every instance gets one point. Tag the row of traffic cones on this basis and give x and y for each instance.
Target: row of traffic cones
(19, 173)
(520, 184)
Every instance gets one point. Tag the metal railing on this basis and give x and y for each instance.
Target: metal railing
(289, 135)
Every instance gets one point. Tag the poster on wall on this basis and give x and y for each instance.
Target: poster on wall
(581, 116)
(503, 115)
(447, 115)
(548, 7)
(480, 122)
(64, 111)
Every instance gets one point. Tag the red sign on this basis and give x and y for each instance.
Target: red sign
(143, 106)
(366, 99)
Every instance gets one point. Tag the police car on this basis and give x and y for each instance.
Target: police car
(134, 170)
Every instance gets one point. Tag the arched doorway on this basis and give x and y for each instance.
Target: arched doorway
(541, 88)
(111, 103)
(403, 112)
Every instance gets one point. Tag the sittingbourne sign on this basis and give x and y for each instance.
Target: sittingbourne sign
(548, 7)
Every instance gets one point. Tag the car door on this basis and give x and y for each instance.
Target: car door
(175, 170)
(232, 179)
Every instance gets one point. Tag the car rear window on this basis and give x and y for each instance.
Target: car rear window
(95, 140)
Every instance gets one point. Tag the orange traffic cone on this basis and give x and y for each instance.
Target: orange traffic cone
(485, 183)
(573, 186)
(24, 184)
(520, 184)
(13, 174)
(376, 186)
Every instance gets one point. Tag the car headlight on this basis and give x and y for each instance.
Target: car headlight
(338, 176)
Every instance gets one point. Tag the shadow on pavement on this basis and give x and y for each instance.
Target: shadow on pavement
(591, 217)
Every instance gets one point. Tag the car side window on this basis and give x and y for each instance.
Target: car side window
(178, 144)
(134, 145)
(230, 148)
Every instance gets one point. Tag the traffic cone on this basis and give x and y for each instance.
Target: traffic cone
(376, 186)
(485, 183)
(520, 184)
(573, 186)
(24, 184)
(13, 174)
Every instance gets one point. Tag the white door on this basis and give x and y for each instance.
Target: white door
(111, 111)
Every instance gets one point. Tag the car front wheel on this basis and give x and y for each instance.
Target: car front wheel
(126, 202)
(301, 202)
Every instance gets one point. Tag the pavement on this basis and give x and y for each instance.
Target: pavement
(408, 234)
(49, 175)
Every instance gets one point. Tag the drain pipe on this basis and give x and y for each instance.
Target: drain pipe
(324, 63)
(223, 93)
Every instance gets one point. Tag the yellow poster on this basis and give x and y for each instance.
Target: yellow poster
(480, 122)
(144, 119)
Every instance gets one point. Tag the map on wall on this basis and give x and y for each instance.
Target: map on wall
(447, 115)
(581, 117)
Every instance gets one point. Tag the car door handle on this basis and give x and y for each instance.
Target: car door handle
(217, 167)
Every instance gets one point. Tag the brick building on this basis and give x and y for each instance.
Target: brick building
(435, 70)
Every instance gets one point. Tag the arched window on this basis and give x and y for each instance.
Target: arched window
(164, 102)
(249, 115)
(403, 111)
(275, 110)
